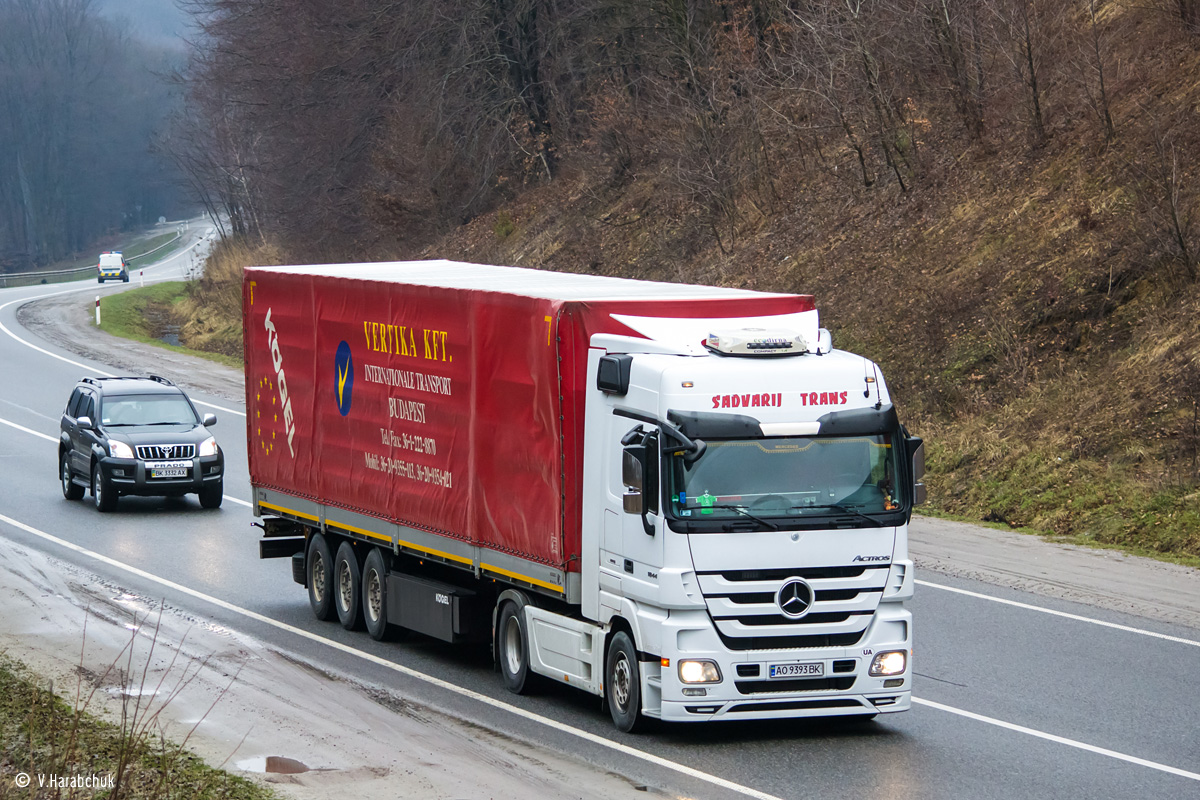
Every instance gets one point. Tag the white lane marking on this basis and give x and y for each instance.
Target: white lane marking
(1063, 614)
(102, 373)
(403, 670)
(52, 439)
(1141, 762)
(27, 430)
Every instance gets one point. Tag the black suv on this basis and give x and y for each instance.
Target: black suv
(137, 436)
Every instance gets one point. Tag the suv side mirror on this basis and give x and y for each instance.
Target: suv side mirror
(85, 423)
(209, 420)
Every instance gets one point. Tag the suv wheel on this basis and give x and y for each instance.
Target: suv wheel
(103, 494)
(210, 496)
(71, 489)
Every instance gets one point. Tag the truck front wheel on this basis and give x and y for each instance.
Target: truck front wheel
(320, 578)
(512, 649)
(347, 589)
(623, 683)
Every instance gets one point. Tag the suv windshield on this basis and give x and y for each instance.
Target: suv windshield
(787, 477)
(147, 409)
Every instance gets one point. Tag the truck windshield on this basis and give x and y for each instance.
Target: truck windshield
(788, 477)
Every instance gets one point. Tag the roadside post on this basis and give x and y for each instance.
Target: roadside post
(97, 311)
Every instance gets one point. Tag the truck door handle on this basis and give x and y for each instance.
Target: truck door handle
(629, 566)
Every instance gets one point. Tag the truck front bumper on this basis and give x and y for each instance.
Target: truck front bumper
(746, 690)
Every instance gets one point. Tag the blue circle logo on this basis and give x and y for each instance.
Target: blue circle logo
(344, 364)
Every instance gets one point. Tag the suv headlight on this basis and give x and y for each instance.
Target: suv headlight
(208, 447)
(120, 450)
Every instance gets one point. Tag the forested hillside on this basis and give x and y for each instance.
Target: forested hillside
(81, 103)
(996, 199)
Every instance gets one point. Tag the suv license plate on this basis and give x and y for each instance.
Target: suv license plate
(168, 469)
(814, 669)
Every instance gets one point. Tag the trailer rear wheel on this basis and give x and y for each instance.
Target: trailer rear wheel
(512, 649)
(623, 683)
(320, 578)
(347, 587)
(374, 595)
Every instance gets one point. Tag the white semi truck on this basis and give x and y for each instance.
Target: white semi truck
(680, 498)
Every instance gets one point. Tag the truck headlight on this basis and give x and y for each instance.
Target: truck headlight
(120, 450)
(699, 672)
(892, 662)
(208, 447)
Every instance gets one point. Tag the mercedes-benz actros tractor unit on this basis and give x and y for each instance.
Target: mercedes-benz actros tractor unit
(679, 498)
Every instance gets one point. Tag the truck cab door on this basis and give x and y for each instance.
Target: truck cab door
(640, 489)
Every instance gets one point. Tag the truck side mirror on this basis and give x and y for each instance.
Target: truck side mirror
(85, 423)
(916, 450)
(631, 476)
(639, 473)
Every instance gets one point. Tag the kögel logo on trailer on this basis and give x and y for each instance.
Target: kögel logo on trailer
(285, 400)
(795, 598)
(344, 364)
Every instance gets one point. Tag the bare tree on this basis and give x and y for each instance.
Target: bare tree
(958, 46)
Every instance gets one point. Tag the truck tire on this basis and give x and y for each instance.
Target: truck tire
(347, 587)
(320, 578)
(512, 649)
(623, 684)
(71, 490)
(103, 494)
(374, 595)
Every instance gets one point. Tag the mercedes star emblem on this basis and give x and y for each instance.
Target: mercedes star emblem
(795, 598)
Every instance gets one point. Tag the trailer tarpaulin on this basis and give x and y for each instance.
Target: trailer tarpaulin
(445, 397)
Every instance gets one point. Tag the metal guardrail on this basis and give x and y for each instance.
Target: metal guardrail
(63, 275)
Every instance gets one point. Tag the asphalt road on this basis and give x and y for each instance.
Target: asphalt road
(1017, 694)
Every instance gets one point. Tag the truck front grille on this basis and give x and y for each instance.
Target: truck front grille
(743, 606)
(165, 452)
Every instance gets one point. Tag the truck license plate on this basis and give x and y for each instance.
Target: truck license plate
(809, 670)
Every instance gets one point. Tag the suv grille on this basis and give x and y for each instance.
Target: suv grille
(742, 604)
(163, 452)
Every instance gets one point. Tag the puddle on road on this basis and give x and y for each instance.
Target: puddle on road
(278, 765)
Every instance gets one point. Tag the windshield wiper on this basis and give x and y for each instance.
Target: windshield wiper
(148, 424)
(742, 510)
(847, 510)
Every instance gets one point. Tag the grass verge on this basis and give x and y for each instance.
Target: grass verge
(41, 736)
(142, 315)
(152, 245)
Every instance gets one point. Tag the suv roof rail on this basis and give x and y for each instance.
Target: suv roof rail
(155, 378)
